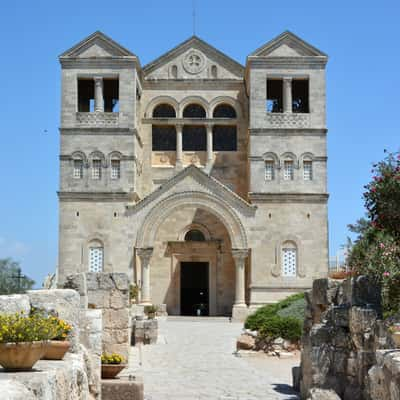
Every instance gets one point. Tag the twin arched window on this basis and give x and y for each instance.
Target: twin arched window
(271, 164)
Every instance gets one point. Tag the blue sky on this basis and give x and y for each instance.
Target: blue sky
(361, 38)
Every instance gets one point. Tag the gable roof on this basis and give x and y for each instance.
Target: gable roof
(98, 38)
(289, 39)
(195, 42)
(216, 187)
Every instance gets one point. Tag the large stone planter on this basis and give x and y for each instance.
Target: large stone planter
(21, 356)
(110, 371)
(56, 349)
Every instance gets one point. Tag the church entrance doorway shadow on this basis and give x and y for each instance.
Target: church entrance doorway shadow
(195, 288)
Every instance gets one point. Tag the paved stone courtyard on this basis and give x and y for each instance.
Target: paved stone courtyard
(194, 359)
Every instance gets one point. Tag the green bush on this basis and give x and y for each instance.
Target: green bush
(283, 319)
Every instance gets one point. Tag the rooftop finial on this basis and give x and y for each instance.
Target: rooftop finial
(194, 17)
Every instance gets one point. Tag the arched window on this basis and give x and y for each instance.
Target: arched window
(269, 170)
(289, 259)
(96, 256)
(164, 111)
(307, 170)
(194, 111)
(96, 168)
(174, 71)
(288, 170)
(194, 235)
(224, 111)
(78, 168)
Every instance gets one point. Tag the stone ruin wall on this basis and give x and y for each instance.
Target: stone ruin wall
(347, 352)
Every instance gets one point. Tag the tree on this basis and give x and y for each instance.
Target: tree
(376, 250)
(11, 279)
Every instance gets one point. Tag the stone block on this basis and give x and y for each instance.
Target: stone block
(320, 334)
(245, 342)
(92, 282)
(239, 313)
(76, 282)
(11, 304)
(121, 281)
(122, 389)
(323, 394)
(363, 292)
(13, 390)
(119, 299)
(65, 303)
(319, 292)
(116, 319)
(296, 374)
(99, 298)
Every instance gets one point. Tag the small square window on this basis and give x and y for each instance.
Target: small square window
(96, 169)
(78, 169)
(288, 170)
(115, 169)
(307, 171)
(269, 170)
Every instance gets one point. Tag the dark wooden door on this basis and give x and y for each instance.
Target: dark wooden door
(194, 288)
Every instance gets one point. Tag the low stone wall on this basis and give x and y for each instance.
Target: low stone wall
(144, 331)
(108, 292)
(343, 343)
(71, 378)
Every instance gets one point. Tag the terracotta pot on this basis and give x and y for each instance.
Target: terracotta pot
(56, 349)
(110, 371)
(21, 356)
(396, 339)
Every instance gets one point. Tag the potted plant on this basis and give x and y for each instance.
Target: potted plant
(151, 311)
(133, 293)
(111, 365)
(395, 331)
(58, 344)
(23, 340)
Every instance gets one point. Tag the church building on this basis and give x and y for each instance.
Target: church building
(202, 179)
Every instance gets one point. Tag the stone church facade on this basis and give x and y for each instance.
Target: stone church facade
(202, 179)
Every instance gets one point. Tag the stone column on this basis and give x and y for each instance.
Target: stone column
(240, 257)
(145, 255)
(209, 144)
(287, 95)
(179, 151)
(98, 94)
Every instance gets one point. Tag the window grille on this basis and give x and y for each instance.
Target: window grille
(269, 171)
(96, 169)
(288, 171)
(289, 261)
(96, 259)
(78, 169)
(307, 171)
(115, 169)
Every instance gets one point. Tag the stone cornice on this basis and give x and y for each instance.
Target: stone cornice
(194, 84)
(262, 159)
(289, 197)
(311, 62)
(95, 196)
(96, 63)
(92, 131)
(288, 131)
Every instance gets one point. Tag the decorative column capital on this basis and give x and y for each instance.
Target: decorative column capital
(98, 80)
(179, 127)
(209, 126)
(240, 254)
(287, 79)
(145, 254)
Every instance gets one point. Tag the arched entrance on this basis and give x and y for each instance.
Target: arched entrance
(192, 249)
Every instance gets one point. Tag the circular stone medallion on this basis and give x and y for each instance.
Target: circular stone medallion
(194, 62)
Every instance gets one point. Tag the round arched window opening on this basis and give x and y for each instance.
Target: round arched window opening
(164, 111)
(224, 111)
(194, 111)
(194, 235)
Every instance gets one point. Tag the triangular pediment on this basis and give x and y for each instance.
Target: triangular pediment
(287, 45)
(194, 59)
(195, 180)
(97, 45)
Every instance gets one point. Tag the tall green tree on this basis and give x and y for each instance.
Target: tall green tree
(11, 278)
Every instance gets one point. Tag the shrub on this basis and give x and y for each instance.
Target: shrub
(19, 327)
(283, 319)
(133, 292)
(61, 328)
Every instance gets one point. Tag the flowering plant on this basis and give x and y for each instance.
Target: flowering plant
(61, 328)
(394, 328)
(21, 327)
(113, 358)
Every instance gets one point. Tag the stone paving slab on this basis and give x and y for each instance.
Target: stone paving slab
(195, 359)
